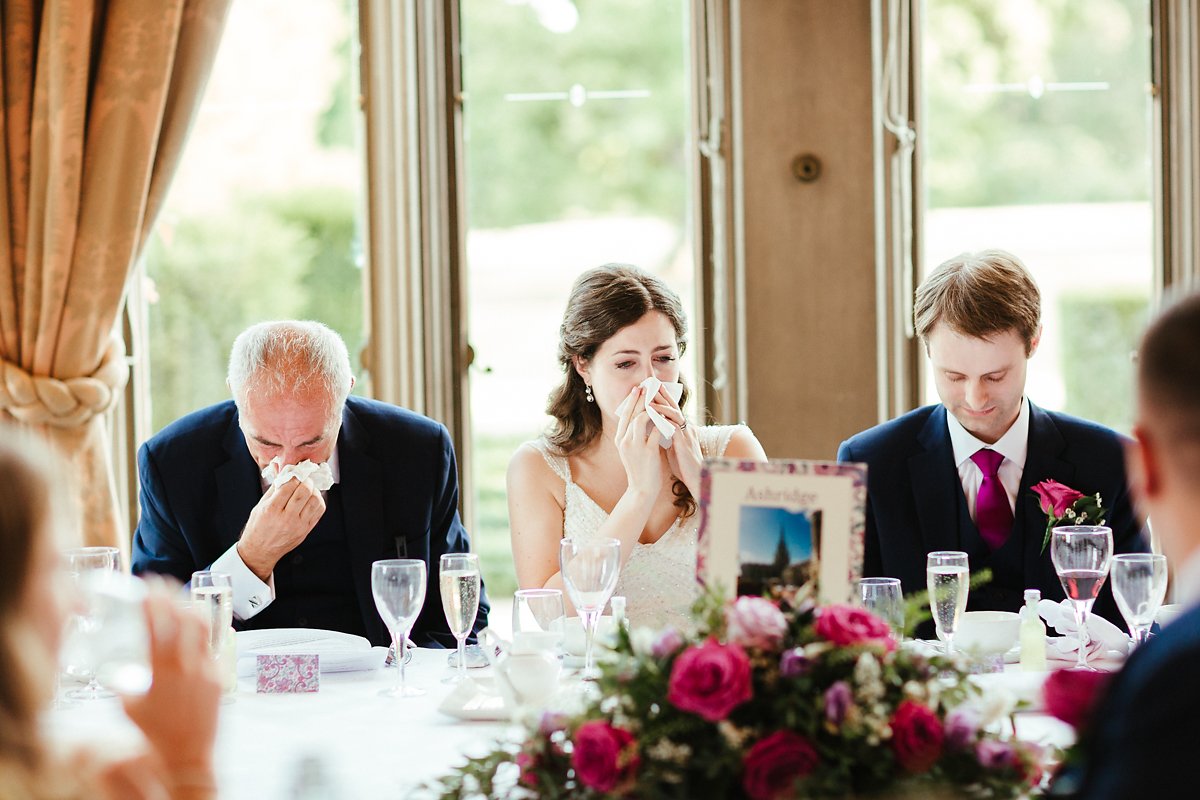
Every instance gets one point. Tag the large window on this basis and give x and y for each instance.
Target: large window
(576, 134)
(263, 217)
(1037, 136)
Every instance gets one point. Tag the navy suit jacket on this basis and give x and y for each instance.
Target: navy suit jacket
(1143, 733)
(915, 502)
(398, 492)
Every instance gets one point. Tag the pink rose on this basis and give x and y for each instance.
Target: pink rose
(755, 622)
(1071, 695)
(847, 625)
(1055, 498)
(710, 680)
(774, 764)
(604, 757)
(916, 737)
(527, 763)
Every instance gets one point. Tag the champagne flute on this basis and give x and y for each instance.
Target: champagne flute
(589, 569)
(1139, 582)
(398, 586)
(88, 568)
(1081, 554)
(538, 619)
(458, 579)
(884, 598)
(212, 592)
(947, 577)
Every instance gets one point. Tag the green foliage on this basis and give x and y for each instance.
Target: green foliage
(490, 534)
(1100, 334)
(987, 147)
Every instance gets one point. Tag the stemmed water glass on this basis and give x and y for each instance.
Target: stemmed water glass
(458, 579)
(947, 577)
(1139, 582)
(398, 585)
(589, 573)
(88, 567)
(1081, 554)
(884, 598)
(538, 619)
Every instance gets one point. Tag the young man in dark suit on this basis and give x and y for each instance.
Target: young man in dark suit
(959, 475)
(300, 554)
(1142, 737)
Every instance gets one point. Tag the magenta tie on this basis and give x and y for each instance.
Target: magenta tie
(993, 516)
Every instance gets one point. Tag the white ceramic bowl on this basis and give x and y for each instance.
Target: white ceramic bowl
(1167, 614)
(574, 641)
(987, 633)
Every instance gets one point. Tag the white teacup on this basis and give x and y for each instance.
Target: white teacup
(987, 633)
(575, 640)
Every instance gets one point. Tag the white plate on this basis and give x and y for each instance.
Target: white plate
(476, 698)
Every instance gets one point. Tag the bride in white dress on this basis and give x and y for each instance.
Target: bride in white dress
(597, 474)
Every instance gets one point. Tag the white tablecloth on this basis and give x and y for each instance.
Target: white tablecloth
(370, 746)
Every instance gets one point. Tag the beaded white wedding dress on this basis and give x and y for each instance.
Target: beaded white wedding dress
(659, 579)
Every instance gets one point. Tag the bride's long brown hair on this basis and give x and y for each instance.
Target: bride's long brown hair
(603, 301)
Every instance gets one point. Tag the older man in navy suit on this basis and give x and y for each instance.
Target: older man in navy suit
(959, 475)
(1142, 736)
(299, 553)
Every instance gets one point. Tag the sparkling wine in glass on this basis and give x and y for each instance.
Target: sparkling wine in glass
(1081, 555)
(538, 619)
(589, 572)
(883, 598)
(458, 579)
(212, 593)
(88, 568)
(398, 586)
(1139, 582)
(947, 577)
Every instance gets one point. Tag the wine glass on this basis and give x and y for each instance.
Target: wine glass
(119, 644)
(88, 568)
(212, 592)
(589, 573)
(884, 598)
(398, 585)
(1081, 554)
(458, 578)
(1139, 582)
(538, 619)
(947, 577)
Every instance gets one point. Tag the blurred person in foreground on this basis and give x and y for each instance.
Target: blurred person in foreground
(368, 481)
(1142, 737)
(959, 475)
(178, 715)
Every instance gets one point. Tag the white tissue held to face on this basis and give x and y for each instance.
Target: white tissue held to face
(666, 428)
(320, 475)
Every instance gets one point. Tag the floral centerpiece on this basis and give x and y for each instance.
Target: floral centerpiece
(767, 698)
(1063, 505)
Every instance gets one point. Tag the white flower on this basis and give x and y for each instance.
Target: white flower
(641, 638)
(733, 734)
(669, 751)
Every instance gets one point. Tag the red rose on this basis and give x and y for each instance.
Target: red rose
(1055, 498)
(847, 625)
(916, 737)
(710, 680)
(604, 757)
(1071, 695)
(774, 764)
(527, 763)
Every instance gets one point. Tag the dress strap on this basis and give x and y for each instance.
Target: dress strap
(714, 439)
(558, 463)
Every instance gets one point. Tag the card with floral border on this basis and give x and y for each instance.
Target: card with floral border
(782, 522)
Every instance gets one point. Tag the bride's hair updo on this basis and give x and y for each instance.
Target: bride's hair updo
(603, 301)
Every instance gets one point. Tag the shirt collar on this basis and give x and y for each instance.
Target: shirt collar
(1013, 445)
(335, 465)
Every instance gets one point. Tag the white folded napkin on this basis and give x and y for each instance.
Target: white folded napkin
(1105, 640)
(320, 475)
(339, 652)
(666, 428)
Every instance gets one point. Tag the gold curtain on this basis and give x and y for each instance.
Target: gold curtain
(96, 97)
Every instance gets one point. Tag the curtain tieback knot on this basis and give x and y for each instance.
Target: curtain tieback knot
(64, 403)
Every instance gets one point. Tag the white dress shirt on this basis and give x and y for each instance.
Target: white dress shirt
(251, 595)
(1013, 445)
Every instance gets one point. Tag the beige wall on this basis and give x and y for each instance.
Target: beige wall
(808, 253)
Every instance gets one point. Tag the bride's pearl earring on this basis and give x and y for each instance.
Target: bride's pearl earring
(590, 397)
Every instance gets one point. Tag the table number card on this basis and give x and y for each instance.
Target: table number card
(288, 674)
(781, 522)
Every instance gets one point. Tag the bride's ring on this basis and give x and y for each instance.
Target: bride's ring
(683, 425)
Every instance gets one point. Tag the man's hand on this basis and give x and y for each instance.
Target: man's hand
(278, 524)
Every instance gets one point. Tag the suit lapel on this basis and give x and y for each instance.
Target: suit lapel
(239, 488)
(935, 482)
(361, 483)
(1042, 460)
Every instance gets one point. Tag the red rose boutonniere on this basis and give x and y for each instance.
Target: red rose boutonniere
(1063, 505)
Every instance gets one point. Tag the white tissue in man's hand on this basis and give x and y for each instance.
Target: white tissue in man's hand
(319, 475)
(666, 428)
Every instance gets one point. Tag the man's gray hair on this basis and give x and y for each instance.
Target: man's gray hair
(289, 358)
